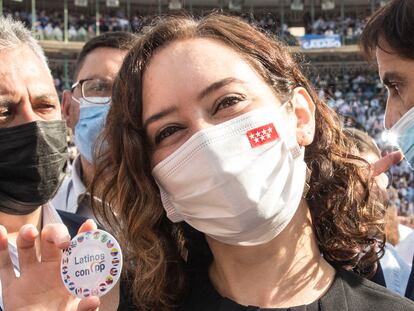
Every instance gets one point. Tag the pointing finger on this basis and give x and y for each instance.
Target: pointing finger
(383, 164)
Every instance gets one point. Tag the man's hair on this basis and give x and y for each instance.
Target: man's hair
(117, 40)
(393, 23)
(13, 33)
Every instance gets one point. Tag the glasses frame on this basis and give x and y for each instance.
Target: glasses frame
(80, 83)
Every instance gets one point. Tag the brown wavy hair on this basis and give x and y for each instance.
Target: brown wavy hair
(348, 220)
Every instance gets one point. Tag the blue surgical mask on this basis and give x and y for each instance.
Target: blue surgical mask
(404, 132)
(91, 122)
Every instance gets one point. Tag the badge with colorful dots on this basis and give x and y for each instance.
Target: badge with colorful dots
(92, 264)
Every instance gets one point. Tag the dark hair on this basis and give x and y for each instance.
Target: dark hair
(120, 40)
(364, 143)
(348, 220)
(393, 23)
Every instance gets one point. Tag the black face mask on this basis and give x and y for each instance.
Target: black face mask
(32, 157)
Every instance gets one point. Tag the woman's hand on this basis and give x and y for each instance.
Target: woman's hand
(39, 286)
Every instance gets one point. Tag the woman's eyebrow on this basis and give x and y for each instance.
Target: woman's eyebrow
(217, 85)
(159, 115)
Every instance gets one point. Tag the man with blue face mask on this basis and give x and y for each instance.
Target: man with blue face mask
(85, 107)
(388, 37)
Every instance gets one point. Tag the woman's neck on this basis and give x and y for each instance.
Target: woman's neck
(288, 271)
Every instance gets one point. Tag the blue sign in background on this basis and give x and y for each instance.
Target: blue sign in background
(320, 42)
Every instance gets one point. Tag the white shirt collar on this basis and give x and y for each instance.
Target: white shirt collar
(78, 186)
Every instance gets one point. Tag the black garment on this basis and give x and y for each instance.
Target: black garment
(379, 277)
(71, 221)
(126, 302)
(347, 293)
(410, 286)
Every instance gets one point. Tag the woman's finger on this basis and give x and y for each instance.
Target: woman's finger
(6, 267)
(26, 247)
(53, 239)
(89, 304)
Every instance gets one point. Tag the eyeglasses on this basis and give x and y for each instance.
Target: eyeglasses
(94, 91)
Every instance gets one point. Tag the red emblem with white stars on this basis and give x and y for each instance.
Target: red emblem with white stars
(262, 135)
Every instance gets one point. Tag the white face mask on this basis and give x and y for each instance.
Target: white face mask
(240, 182)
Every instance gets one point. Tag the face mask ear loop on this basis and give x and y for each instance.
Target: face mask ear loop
(306, 188)
(290, 138)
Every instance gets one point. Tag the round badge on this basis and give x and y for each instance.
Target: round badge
(92, 264)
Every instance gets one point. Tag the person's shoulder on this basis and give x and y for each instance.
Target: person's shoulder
(364, 295)
(71, 221)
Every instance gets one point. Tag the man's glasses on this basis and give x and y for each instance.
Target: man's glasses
(94, 91)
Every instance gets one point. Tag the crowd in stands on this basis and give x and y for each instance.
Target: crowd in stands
(49, 26)
(360, 99)
(350, 28)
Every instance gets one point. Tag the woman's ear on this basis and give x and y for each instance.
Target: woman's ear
(305, 116)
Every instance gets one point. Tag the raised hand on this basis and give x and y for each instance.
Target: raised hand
(39, 286)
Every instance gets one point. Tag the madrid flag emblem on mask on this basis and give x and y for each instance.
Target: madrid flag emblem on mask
(262, 135)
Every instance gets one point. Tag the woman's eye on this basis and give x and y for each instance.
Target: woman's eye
(227, 102)
(168, 131)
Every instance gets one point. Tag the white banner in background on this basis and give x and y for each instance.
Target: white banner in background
(235, 5)
(83, 3)
(296, 5)
(112, 3)
(309, 42)
(175, 5)
(328, 4)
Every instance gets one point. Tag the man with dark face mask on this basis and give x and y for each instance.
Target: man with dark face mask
(33, 152)
(388, 38)
(85, 107)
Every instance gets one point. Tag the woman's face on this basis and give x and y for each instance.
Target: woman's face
(193, 84)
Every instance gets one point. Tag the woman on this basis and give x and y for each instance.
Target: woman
(214, 124)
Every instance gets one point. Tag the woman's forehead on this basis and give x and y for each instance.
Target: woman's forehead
(187, 66)
(195, 56)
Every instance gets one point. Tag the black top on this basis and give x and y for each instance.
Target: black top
(71, 221)
(348, 292)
